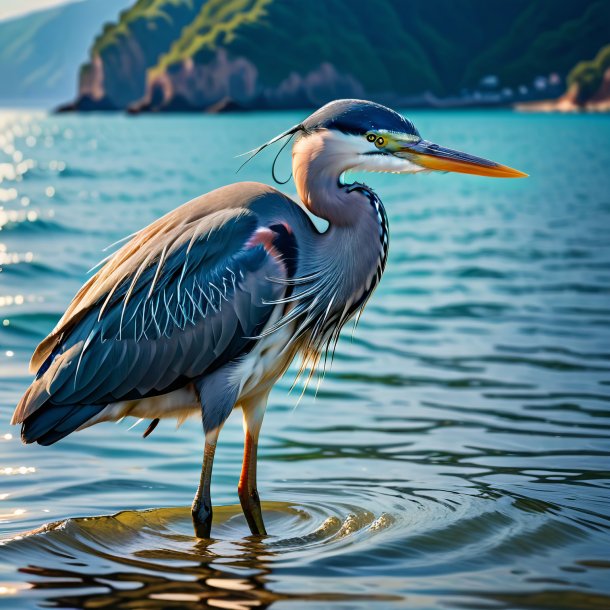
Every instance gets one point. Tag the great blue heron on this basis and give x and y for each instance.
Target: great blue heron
(204, 309)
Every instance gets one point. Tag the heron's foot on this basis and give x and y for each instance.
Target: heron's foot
(202, 519)
(251, 505)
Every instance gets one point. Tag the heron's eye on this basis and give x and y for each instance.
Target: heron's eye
(380, 141)
(371, 137)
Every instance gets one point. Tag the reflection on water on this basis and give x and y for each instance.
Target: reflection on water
(456, 455)
(151, 558)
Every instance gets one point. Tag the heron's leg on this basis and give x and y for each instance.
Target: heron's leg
(202, 504)
(248, 494)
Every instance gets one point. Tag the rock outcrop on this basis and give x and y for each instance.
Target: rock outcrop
(122, 54)
(225, 84)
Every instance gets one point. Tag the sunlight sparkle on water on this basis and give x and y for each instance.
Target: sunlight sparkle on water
(457, 450)
(9, 470)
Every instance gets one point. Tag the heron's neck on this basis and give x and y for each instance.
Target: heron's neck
(356, 242)
(317, 165)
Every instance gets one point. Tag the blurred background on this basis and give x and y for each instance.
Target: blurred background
(218, 55)
(457, 453)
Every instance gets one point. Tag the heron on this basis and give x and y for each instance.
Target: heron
(202, 311)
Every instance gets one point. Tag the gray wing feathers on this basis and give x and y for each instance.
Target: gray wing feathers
(159, 240)
(208, 299)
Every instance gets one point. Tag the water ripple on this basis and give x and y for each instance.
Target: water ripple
(456, 454)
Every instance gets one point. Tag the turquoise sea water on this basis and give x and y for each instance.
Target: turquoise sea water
(457, 455)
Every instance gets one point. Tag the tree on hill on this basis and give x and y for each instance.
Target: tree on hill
(587, 76)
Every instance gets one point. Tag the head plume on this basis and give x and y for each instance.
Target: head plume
(289, 133)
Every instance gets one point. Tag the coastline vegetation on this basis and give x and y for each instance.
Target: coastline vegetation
(588, 76)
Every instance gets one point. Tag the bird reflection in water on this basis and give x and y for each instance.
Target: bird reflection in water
(143, 560)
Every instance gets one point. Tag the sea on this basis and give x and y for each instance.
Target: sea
(455, 455)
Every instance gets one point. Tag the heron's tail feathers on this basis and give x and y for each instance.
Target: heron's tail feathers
(51, 423)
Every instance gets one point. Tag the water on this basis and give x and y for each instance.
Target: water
(456, 456)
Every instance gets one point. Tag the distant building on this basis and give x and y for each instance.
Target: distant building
(540, 83)
(491, 81)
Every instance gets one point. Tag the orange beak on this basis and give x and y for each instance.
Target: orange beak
(433, 156)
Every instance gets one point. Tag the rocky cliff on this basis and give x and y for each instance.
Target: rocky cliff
(194, 55)
(122, 54)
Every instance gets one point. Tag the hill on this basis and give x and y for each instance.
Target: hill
(231, 54)
(41, 52)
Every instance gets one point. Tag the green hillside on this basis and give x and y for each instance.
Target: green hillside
(389, 45)
(147, 10)
(389, 48)
(393, 45)
(547, 35)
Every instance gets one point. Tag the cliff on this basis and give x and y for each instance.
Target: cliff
(123, 52)
(194, 55)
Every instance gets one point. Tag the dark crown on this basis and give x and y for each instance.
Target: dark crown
(358, 117)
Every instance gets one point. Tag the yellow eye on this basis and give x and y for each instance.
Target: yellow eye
(380, 141)
(371, 137)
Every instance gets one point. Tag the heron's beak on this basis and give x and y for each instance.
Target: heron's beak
(433, 156)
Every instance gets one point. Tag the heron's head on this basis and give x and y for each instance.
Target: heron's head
(364, 136)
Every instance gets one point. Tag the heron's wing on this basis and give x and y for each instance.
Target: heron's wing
(153, 244)
(194, 302)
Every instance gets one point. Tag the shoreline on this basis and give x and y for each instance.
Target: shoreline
(563, 107)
